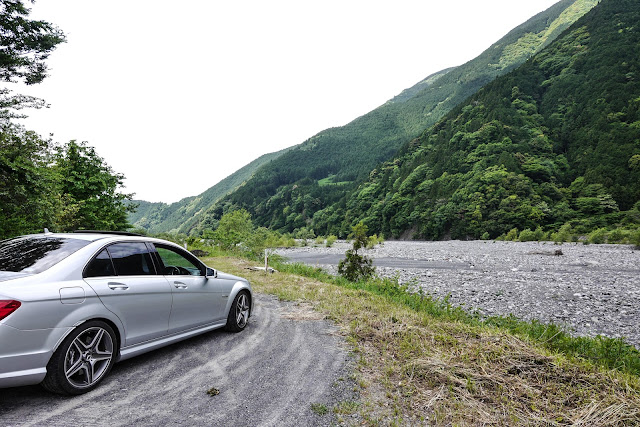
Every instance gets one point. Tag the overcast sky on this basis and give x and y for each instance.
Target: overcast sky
(177, 95)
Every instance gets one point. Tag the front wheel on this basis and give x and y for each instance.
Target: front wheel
(83, 359)
(239, 312)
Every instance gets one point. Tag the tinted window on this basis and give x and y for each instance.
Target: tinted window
(176, 263)
(34, 254)
(131, 259)
(100, 266)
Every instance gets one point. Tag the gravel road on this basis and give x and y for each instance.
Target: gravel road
(269, 375)
(591, 289)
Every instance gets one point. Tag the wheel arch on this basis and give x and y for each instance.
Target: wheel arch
(237, 288)
(109, 322)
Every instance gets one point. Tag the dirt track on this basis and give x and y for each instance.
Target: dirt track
(269, 375)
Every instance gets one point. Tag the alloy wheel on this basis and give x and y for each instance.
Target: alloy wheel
(242, 310)
(88, 357)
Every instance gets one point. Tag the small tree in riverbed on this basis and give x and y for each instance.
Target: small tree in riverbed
(357, 267)
(234, 228)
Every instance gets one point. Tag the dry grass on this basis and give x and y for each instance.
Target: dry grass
(418, 370)
(302, 311)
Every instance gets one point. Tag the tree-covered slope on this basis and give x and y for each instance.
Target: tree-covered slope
(183, 215)
(286, 193)
(554, 141)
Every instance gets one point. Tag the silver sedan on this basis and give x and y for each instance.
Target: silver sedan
(71, 305)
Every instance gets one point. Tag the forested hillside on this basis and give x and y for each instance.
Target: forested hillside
(183, 215)
(556, 141)
(288, 192)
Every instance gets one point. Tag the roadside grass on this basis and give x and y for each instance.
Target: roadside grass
(422, 361)
(611, 353)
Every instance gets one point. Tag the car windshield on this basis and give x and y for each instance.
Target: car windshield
(34, 254)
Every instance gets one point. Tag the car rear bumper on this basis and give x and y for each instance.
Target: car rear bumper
(24, 355)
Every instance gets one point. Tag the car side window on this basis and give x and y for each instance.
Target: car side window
(131, 259)
(176, 263)
(100, 266)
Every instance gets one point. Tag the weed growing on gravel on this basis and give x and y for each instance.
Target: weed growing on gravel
(347, 407)
(319, 409)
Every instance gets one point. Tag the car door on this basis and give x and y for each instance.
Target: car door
(197, 300)
(124, 277)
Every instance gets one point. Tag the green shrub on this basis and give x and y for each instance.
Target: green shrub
(304, 233)
(288, 242)
(564, 234)
(331, 239)
(357, 267)
(319, 240)
(527, 235)
(539, 234)
(485, 236)
(233, 229)
(619, 235)
(237, 234)
(598, 236)
(512, 235)
(373, 241)
(634, 238)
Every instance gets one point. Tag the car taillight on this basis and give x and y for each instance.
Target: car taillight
(7, 307)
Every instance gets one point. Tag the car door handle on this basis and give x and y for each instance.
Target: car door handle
(115, 285)
(179, 285)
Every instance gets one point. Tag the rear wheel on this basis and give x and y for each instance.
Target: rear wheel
(83, 359)
(239, 312)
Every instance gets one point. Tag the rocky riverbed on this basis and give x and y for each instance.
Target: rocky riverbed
(591, 289)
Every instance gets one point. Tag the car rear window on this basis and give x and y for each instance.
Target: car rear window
(34, 254)
(100, 266)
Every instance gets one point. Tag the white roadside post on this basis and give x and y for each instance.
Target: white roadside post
(266, 261)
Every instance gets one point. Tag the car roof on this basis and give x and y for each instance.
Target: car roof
(94, 236)
(90, 236)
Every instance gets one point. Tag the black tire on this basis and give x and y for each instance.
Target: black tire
(83, 359)
(239, 312)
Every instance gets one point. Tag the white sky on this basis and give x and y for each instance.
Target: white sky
(177, 95)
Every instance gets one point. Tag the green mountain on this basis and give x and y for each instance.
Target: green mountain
(183, 215)
(289, 192)
(555, 141)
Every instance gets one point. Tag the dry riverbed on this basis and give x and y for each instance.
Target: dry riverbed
(591, 289)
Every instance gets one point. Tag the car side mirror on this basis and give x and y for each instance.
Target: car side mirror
(211, 273)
